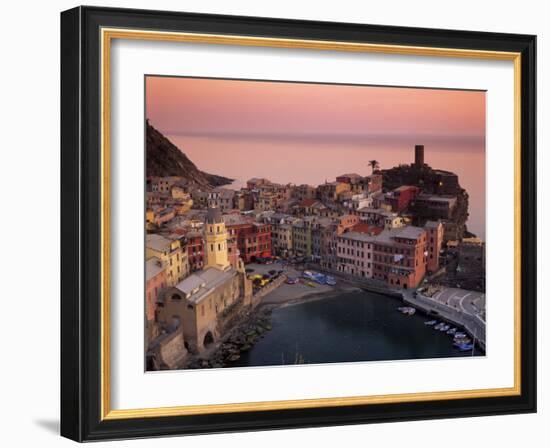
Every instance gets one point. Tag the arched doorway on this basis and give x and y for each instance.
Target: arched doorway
(208, 339)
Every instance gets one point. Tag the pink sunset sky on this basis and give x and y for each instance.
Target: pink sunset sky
(205, 106)
(245, 129)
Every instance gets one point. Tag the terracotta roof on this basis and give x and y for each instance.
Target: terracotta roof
(366, 228)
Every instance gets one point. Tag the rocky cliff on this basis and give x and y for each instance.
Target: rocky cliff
(166, 159)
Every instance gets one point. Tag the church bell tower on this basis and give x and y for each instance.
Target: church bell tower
(215, 236)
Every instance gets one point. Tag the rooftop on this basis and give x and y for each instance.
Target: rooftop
(358, 236)
(225, 192)
(435, 198)
(153, 267)
(200, 284)
(214, 215)
(408, 232)
(235, 219)
(432, 224)
(366, 228)
(377, 211)
(157, 242)
(350, 175)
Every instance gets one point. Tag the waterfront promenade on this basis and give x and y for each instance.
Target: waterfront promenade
(457, 306)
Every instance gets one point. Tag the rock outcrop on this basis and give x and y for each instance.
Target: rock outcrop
(166, 159)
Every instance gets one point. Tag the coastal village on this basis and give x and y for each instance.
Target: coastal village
(215, 255)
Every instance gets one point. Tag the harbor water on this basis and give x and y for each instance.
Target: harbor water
(348, 327)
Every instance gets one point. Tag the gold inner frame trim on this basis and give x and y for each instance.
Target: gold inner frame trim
(107, 35)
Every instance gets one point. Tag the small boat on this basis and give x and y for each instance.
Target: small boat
(439, 325)
(460, 335)
(464, 340)
(451, 331)
(430, 323)
(409, 310)
(444, 328)
(465, 347)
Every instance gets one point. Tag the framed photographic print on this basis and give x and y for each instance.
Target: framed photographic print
(273, 223)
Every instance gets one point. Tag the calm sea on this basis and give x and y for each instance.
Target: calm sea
(351, 327)
(313, 160)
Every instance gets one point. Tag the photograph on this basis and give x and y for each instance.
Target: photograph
(294, 223)
(285, 221)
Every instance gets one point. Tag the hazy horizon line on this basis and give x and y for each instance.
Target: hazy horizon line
(329, 136)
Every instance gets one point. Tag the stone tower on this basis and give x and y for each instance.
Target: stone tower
(215, 236)
(419, 156)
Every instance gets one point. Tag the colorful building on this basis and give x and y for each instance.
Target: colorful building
(400, 257)
(253, 238)
(199, 305)
(301, 236)
(215, 240)
(354, 252)
(156, 216)
(155, 282)
(195, 250)
(400, 198)
(434, 231)
(171, 254)
(329, 191)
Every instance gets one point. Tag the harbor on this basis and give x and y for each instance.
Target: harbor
(304, 320)
(350, 326)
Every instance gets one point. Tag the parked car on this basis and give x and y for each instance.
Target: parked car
(292, 281)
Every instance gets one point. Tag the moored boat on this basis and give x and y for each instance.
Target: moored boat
(430, 323)
(409, 310)
(464, 347)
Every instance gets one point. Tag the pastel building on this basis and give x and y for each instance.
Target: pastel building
(171, 254)
(155, 282)
(253, 238)
(434, 231)
(201, 304)
(354, 251)
(400, 198)
(400, 257)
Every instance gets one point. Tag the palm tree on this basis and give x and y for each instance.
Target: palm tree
(374, 165)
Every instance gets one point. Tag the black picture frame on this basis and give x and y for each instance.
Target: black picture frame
(81, 224)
